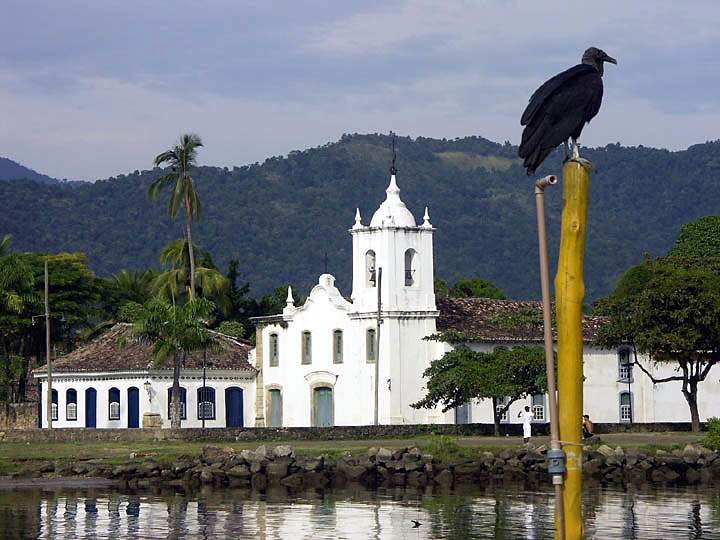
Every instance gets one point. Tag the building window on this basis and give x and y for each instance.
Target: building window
(183, 403)
(71, 404)
(337, 347)
(114, 401)
(274, 350)
(370, 268)
(625, 373)
(625, 407)
(538, 407)
(206, 403)
(54, 411)
(410, 267)
(501, 403)
(306, 347)
(371, 346)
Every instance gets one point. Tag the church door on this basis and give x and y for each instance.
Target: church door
(275, 408)
(323, 407)
(462, 414)
(90, 408)
(233, 407)
(133, 407)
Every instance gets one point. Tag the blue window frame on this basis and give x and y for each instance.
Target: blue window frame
(114, 404)
(183, 403)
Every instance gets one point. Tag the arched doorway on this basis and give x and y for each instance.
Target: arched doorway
(133, 407)
(233, 407)
(323, 408)
(90, 408)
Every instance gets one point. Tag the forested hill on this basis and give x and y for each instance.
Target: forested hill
(279, 218)
(11, 170)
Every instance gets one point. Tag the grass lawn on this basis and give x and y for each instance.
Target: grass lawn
(16, 455)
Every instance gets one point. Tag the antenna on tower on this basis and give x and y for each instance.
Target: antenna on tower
(393, 169)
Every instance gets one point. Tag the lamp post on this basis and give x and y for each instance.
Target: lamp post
(203, 388)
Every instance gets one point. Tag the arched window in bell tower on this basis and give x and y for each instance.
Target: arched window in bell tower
(370, 280)
(410, 258)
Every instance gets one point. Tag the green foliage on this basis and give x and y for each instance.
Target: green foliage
(129, 312)
(181, 159)
(232, 329)
(274, 216)
(5, 245)
(712, 439)
(669, 309)
(462, 375)
(698, 239)
(476, 288)
(442, 290)
(442, 447)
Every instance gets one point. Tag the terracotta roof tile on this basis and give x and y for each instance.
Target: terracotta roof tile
(114, 351)
(487, 320)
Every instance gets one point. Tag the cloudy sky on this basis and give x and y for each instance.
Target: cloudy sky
(92, 89)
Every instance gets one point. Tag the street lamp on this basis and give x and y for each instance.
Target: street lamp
(148, 388)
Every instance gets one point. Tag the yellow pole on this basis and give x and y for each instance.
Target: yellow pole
(569, 292)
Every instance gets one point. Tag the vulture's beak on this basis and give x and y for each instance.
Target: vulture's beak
(610, 59)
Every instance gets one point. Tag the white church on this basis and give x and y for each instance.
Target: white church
(315, 365)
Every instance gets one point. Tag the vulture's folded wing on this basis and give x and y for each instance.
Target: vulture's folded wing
(550, 87)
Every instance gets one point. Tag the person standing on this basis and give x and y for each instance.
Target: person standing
(527, 418)
(588, 428)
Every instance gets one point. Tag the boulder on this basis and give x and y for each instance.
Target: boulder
(213, 454)
(277, 470)
(416, 479)
(239, 471)
(316, 479)
(605, 450)
(283, 451)
(383, 454)
(259, 482)
(372, 452)
(261, 453)
(293, 481)
(206, 475)
(444, 478)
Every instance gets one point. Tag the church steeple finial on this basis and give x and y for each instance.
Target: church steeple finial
(393, 169)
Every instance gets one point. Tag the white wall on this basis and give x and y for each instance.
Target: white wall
(160, 381)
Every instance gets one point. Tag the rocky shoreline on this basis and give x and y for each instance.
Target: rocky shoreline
(280, 466)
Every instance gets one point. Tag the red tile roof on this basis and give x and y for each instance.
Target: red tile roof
(115, 350)
(496, 321)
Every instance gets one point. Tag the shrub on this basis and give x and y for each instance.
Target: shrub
(712, 440)
(442, 446)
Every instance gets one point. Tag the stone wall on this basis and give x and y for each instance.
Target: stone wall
(280, 466)
(18, 416)
(276, 434)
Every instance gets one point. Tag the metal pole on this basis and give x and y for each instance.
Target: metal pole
(557, 479)
(377, 347)
(49, 400)
(203, 388)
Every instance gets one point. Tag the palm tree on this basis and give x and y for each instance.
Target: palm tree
(209, 282)
(175, 331)
(181, 159)
(5, 245)
(133, 285)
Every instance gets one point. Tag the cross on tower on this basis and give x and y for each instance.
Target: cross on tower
(393, 169)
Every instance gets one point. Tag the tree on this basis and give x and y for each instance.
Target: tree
(182, 159)
(669, 309)
(174, 331)
(17, 301)
(476, 288)
(504, 376)
(700, 238)
(441, 288)
(5, 244)
(175, 282)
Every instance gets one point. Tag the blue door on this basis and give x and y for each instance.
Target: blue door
(233, 407)
(323, 407)
(90, 407)
(133, 407)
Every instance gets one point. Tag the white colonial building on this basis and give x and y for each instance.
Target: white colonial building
(111, 383)
(315, 364)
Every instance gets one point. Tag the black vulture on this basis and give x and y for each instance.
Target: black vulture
(561, 107)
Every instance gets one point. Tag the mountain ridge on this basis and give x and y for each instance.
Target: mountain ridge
(281, 216)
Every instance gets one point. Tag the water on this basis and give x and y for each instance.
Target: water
(497, 512)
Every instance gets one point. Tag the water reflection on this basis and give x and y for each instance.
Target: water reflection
(497, 512)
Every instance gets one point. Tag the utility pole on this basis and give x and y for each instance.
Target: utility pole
(377, 347)
(203, 387)
(49, 400)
